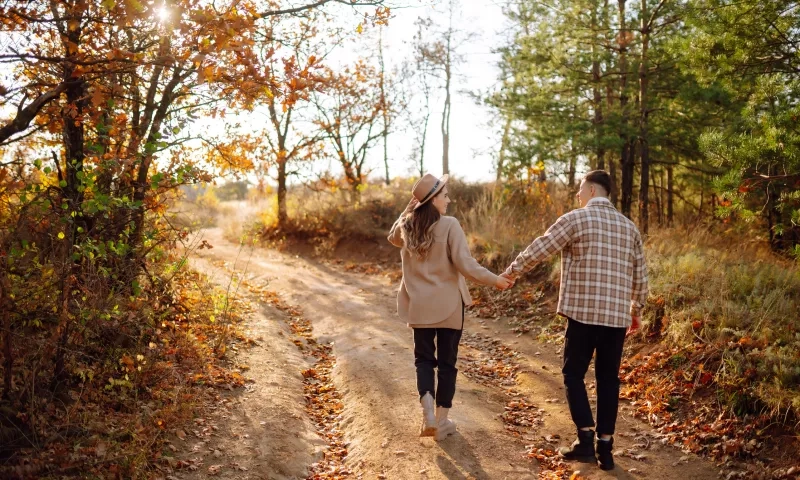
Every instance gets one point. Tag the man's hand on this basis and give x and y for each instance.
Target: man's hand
(637, 322)
(503, 283)
(410, 207)
(510, 281)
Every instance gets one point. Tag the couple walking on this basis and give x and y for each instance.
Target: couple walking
(603, 288)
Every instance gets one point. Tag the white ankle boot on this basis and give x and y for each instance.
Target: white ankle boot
(429, 422)
(445, 426)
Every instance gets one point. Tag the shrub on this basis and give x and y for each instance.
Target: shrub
(739, 297)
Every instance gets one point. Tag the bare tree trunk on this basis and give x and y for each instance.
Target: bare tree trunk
(501, 157)
(385, 110)
(282, 215)
(669, 195)
(627, 167)
(446, 123)
(74, 144)
(612, 171)
(626, 153)
(644, 182)
(658, 193)
(573, 167)
(599, 162)
(612, 162)
(422, 143)
(448, 74)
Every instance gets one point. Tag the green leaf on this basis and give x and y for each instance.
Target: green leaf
(137, 289)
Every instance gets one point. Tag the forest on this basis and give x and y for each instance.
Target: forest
(154, 154)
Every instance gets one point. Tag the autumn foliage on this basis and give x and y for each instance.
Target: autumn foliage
(99, 109)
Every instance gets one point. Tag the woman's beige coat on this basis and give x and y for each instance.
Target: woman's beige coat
(432, 289)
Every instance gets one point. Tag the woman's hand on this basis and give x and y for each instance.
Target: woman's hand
(411, 205)
(503, 283)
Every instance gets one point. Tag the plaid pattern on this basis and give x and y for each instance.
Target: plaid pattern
(603, 271)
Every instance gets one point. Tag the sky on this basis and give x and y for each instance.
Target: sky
(473, 140)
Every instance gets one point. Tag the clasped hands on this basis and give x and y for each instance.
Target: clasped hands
(504, 282)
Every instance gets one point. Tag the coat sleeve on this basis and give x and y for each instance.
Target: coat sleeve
(558, 236)
(462, 259)
(395, 236)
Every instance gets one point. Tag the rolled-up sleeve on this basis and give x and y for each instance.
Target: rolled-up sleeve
(395, 234)
(553, 241)
(462, 258)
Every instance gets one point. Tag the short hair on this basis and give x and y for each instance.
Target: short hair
(599, 177)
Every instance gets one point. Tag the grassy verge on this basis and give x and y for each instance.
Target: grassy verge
(734, 306)
(137, 372)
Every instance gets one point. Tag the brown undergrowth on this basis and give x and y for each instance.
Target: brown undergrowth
(169, 355)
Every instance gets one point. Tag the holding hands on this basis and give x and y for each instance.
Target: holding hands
(504, 282)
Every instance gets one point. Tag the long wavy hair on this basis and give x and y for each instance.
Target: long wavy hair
(417, 229)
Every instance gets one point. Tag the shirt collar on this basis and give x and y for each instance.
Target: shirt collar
(598, 200)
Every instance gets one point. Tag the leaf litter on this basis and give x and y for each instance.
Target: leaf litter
(495, 365)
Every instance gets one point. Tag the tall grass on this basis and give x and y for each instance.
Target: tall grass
(501, 223)
(498, 223)
(718, 288)
(325, 217)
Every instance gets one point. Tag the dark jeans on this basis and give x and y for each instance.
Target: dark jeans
(581, 341)
(426, 340)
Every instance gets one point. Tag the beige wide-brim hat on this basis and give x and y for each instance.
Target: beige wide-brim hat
(427, 187)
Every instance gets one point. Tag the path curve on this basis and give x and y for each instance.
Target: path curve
(374, 372)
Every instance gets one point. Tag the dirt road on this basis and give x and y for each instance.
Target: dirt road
(263, 432)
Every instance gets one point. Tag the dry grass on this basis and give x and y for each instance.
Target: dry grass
(325, 218)
(715, 287)
(202, 211)
(499, 224)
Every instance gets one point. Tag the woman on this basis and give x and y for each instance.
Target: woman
(433, 294)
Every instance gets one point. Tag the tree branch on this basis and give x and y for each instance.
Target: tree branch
(27, 114)
(318, 3)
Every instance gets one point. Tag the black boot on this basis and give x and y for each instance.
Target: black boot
(582, 449)
(605, 459)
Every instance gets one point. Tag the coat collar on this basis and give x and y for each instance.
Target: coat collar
(600, 202)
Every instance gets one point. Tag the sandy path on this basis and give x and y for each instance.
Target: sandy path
(375, 374)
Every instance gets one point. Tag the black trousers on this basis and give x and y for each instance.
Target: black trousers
(426, 341)
(582, 340)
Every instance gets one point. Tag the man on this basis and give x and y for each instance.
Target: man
(603, 288)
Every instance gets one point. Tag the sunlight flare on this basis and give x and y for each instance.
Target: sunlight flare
(162, 13)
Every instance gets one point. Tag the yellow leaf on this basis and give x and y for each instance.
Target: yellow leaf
(360, 28)
(61, 235)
